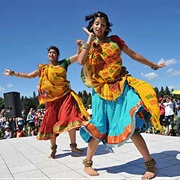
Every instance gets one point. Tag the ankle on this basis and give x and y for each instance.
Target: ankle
(87, 163)
(151, 169)
(73, 145)
(54, 147)
(150, 164)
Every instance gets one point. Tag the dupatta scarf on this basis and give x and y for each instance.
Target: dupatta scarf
(104, 72)
(52, 83)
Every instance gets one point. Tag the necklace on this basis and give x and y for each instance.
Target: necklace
(101, 40)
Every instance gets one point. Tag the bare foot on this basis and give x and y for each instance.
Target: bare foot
(52, 155)
(150, 174)
(90, 171)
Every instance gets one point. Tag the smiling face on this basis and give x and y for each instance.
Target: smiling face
(53, 56)
(99, 27)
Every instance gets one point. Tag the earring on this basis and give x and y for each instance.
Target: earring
(91, 28)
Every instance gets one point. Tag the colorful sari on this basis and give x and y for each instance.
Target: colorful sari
(121, 104)
(64, 108)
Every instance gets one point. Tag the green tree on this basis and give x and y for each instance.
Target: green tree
(157, 91)
(25, 105)
(80, 94)
(1, 103)
(89, 100)
(161, 92)
(35, 100)
(167, 91)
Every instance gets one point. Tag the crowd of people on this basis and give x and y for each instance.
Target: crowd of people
(169, 116)
(20, 126)
(29, 125)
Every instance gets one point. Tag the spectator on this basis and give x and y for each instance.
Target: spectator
(169, 114)
(162, 114)
(3, 120)
(40, 114)
(12, 127)
(2, 124)
(7, 132)
(36, 120)
(89, 110)
(174, 106)
(19, 123)
(178, 116)
(31, 124)
(20, 133)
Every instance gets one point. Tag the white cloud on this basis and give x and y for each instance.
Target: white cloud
(168, 62)
(172, 72)
(171, 87)
(1, 89)
(149, 76)
(9, 85)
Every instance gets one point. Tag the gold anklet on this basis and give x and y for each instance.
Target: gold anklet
(87, 163)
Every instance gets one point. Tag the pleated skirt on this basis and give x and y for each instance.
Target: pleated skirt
(114, 122)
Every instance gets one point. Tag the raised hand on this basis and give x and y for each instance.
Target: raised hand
(79, 42)
(8, 72)
(157, 66)
(90, 34)
(161, 65)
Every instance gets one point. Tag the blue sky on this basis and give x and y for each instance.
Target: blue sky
(29, 27)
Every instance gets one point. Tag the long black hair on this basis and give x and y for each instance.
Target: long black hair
(93, 17)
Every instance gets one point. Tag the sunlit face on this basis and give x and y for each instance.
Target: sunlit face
(52, 55)
(167, 99)
(99, 27)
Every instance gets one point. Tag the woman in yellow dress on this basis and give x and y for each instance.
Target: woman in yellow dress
(65, 111)
(122, 106)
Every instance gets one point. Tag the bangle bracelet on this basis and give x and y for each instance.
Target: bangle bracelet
(86, 46)
(11, 73)
(154, 67)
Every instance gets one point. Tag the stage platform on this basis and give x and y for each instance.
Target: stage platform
(27, 159)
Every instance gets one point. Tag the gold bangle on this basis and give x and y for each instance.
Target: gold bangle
(86, 46)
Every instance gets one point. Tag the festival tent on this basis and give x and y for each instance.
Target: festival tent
(175, 92)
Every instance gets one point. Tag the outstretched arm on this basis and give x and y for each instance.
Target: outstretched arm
(141, 59)
(33, 74)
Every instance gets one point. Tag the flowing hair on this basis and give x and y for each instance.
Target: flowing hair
(91, 18)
